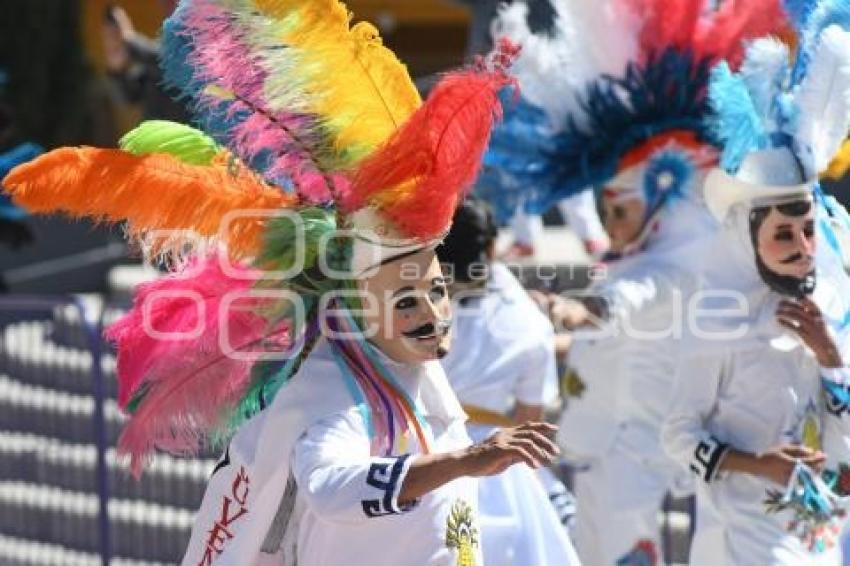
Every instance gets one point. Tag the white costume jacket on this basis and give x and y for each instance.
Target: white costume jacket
(619, 385)
(754, 396)
(298, 484)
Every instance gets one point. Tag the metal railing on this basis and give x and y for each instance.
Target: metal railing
(93, 331)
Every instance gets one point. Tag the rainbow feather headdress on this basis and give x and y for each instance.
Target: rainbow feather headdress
(312, 137)
(617, 98)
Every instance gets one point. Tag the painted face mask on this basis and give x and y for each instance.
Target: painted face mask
(410, 315)
(783, 238)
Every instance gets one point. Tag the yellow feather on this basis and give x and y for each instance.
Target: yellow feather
(840, 163)
(363, 91)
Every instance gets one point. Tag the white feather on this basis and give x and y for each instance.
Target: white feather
(823, 99)
(591, 39)
(765, 71)
(608, 31)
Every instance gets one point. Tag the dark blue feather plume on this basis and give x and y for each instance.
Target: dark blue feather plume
(668, 92)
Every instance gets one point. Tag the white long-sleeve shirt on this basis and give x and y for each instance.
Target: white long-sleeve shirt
(503, 352)
(351, 512)
(298, 483)
(626, 368)
(503, 348)
(753, 400)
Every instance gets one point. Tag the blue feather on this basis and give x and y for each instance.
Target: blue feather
(519, 160)
(217, 120)
(825, 13)
(8, 161)
(668, 175)
(175, 50)
(799, 11)
(17, 156)
(736, 122)
(667, 93)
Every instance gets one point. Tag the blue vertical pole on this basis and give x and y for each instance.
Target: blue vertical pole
(93, 334)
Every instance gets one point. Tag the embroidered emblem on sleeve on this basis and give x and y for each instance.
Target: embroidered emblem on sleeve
(707, 457)
(461, 533)
(234, 506)
(384, 475)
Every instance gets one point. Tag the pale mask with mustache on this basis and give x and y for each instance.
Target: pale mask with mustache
(408, 316)
(783, 237)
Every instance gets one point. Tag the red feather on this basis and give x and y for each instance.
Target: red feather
(693, 25)
(416, 178)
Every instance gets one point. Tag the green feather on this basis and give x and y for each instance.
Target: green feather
(187, 144)
(282, 238)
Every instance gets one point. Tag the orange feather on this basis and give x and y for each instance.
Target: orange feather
(150, 192)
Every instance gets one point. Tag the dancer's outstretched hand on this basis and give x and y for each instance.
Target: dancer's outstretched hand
(529, 443)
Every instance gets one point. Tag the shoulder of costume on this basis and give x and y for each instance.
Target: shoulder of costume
(316, 392)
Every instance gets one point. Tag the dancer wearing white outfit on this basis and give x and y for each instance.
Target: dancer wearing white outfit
(502, 368)
(636, 131)
(760, 409)
(348, 446)
(761, 396)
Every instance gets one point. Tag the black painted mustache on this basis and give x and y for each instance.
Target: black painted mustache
(795, 258)
(429, 329)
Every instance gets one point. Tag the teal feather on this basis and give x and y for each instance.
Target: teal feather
(736, 122)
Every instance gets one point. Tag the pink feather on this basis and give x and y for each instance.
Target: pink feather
(188, 375)
(221, 57)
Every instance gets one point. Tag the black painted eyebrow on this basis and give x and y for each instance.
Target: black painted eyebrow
(403, 290)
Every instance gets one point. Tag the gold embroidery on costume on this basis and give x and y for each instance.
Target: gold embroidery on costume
(811, 433)
(461, 533)
(572, 385)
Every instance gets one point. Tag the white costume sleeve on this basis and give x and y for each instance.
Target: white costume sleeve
(629, 295)
(836, 396)
(694, 397)
(338, 478)
(538, 382)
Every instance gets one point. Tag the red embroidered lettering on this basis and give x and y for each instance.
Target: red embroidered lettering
(241, 480)
(226, 518)
(220, 533)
